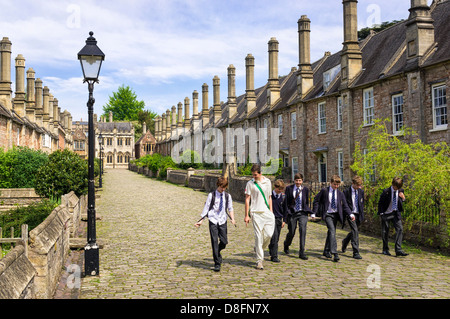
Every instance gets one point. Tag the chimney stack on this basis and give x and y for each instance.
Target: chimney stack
(180, 114)
(46, 102)
(273, 90)
(19, 99)
(144, 128)
(232, 107)
(419, 31)
(168, 129)
(5, 73)
(217, 108)
(205, 110)
(250, 96)
(195, 105)
(187, 116)
(304, 75)
(39, 102)
(351, 56)
(110, 117)
(31, 102)
(174, 118)
(163, 127)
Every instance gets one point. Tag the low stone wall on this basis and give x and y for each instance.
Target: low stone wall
(17, 275)
(34, 271)
(12, 197)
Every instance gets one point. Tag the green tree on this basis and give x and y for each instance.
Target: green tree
(425, 169)
(124, 105)
(65, 171)
(364, 32)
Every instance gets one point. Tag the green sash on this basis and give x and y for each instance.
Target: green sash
(268, 207)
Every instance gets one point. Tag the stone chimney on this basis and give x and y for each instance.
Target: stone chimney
(205, 110)
(56, 117)
(31, 102)
(5, 73)
(110, 117)
(168, 128)
(351, 56)
(46, 104)
(180, 115)
(174, 118)
(195, 105)
(216, 90)
(250, 97)
(419, 31)
(163, 127)
(187, 116)
(232, 107)
(144, 128)
(19, 99)
(305, 79)
(39, 102)
(273, 90)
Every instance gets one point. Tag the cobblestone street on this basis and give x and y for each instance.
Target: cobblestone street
(153, 250)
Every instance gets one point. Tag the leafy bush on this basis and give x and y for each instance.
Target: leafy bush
(425, 169)
(189, 159)
(19, 165)
(64, 172)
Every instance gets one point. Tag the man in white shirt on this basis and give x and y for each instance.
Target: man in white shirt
(216, 211)
(258, 203)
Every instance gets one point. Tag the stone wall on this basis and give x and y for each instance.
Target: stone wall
(12, 197)
(34, 271)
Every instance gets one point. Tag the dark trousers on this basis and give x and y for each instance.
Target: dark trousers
(302, 219)
(219, 241)
(273, 246)
(398, 226)
(353, 235)
(330, 244)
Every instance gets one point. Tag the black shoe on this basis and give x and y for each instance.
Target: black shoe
(303, 256)
(327, 254)
(401, 253)
(344, 245)
(357, 256)
(217, 268)
(286, 250)
(274, 259)
(336, 258)
(386, 252)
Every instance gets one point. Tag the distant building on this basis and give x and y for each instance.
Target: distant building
(146, 143)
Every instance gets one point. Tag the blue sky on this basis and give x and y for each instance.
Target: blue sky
(166, 49)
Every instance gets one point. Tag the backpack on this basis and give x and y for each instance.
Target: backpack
(213, 200)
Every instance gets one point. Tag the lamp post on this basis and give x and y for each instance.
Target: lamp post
(100, 146)
(91, 58)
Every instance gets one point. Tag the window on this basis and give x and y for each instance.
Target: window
(368, 106)
(18, 136)
(397, 113)
(128, 141)
(280, 124)
(440, 119)
(120, 158)
(294, 166)
(109, 159)
(322, 168)
(265, 128)
(109, 141)
(341, 165)
(322, 118)
(294, 125)
(339, 113)
(79, 146)
(119, 141)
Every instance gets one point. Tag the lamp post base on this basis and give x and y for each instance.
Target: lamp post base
(91, 260)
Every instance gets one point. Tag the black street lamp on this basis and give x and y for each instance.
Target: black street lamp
(100, 146)
(91, 58)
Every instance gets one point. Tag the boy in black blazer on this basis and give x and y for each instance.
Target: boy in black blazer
(390, 207)
(330, 204)
(355, 200)
(297, 199)
(280, 212)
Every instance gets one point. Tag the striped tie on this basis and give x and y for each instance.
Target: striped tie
(333, 201)
(221, 203)
(298, 202)
(356, 200)
(394, 201)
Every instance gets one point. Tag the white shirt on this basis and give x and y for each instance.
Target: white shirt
(214, 215)
(257, 203)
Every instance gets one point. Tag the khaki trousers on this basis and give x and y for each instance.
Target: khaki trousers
(263, 226)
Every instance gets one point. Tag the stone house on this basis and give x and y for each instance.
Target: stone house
(146, 143)
(401, 73)
(33, 117)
